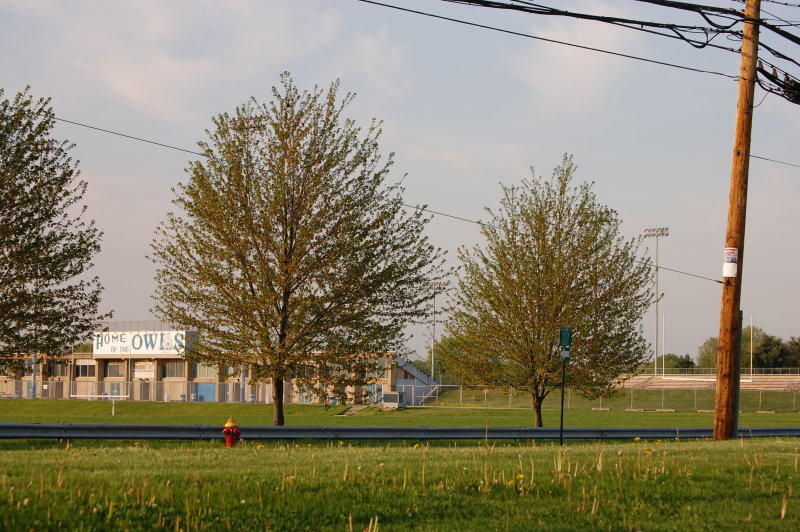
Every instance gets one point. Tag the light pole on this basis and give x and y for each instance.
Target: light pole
(436, 286)
(656, 232)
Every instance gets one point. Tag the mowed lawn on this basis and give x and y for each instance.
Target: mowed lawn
(399, 486)
(750, 484)
(60, 411)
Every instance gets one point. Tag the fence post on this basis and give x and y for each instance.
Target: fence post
(460, 395)
(509, 397)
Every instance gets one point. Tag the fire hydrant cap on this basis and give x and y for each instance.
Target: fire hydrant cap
(231, 422)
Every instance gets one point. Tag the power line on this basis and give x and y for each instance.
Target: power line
(790, 4)
(171, 147)
(788, 88)
(491, 226)
(774, 161)
(670, 30)
(129, 136)
(417, 207)
(554, 41)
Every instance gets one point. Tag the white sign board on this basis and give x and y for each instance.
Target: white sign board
(149, 344)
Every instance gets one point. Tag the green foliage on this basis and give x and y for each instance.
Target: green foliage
(47, 304)
(553, 257)
(400, 486)
(671, 360)
(707, 353)
(290, 251)
(768, 350)
(792, 355)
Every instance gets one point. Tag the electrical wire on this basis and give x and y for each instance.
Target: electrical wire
(673, 31)
(129, 136)
(773, 160)
(521, 233)
(787, 88)
(417, 207)
(554, 41)
(778, 2)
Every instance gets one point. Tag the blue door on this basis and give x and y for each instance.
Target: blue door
(206, 392)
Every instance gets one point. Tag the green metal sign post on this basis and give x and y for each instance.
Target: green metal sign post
(565, 341)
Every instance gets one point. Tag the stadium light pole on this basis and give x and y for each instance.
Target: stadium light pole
(656, 232)
(436, 286)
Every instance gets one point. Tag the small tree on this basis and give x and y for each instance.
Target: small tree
(670, 360)
(792, 359)
(291, 253)
(46, 244)
(553, 257)
(707, 353)
(768, 351)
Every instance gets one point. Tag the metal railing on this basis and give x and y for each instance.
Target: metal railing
(166, 391)
(713, 371)
(208, 432)
(693, 396)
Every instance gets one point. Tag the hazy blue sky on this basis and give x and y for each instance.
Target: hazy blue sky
(463, 108)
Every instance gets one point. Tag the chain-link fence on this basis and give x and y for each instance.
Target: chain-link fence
(619, 399)
(166, 391)
(423, 395)
(216, 392)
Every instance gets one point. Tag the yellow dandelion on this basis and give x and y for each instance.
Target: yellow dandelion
(416, 446)
(637, 438)
(520, 476)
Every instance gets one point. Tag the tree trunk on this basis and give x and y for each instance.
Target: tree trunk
(277, 401)
(537, 410)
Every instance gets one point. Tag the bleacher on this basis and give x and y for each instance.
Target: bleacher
(778, 383)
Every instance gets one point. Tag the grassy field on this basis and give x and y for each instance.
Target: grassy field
(343, 486)
(622, 399)
(637, 485)
(58, 411)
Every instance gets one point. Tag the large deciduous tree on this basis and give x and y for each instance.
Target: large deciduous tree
(47, 304)
(289, 251)
(768, 350)
(553, 257)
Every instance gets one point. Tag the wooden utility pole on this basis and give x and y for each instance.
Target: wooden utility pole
(729, 323)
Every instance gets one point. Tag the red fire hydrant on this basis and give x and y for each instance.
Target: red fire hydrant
(232, 432)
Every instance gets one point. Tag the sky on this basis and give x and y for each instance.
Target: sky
(464, 109)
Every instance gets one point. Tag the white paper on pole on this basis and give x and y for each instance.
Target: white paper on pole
(730, 262)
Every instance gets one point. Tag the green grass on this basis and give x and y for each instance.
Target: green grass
(622, 399)
(634, 485)
(60, 411)
(737, 485)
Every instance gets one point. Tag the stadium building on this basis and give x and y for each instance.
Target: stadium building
(139, 364)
